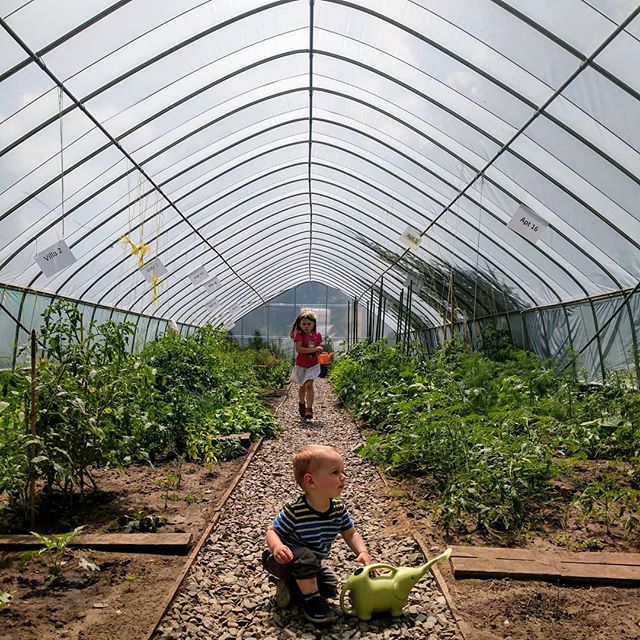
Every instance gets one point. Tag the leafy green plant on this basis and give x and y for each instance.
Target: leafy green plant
(15, 446)
(590, 544)
(171, 481)
(611, 504)
(138, 522)
(53, 552)
(94, 400)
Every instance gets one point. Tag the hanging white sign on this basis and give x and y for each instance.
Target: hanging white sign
(199, 276)
(234, 309)
(153, 269)
(229, 325)
(411, 238)
(211, 285)
(55, 258)
(527, 223)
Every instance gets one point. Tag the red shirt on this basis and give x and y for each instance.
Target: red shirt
(307, 360)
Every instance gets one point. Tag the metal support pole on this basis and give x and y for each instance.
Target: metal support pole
(32, 422)
(399, 324)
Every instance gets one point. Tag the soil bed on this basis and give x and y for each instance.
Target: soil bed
(123, 599)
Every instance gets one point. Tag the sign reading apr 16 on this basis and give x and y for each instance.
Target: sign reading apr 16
(411, 238)
(527, 223)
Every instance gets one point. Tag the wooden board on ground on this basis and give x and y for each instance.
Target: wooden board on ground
(622, 569)
(163, 543)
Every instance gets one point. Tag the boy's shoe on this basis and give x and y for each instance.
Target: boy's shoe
(327, 590)
(283, 594)
(308, 414)
(302, 410)
(316, 610)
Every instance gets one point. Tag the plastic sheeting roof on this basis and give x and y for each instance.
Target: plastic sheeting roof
(278, 142)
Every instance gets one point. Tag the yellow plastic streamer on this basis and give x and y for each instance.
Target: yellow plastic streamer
(154, 288)
(139, 250)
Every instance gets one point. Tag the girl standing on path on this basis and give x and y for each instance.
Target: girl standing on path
(307, 368)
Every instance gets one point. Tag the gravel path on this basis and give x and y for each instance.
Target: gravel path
(227, 594)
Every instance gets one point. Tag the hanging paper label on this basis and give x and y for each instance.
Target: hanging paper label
(229, 325)
(234, 309)
(211, 285)
(411, 238)
(199, 276)
(527, 223)
(55, 258)
(212, 305)
(153, 269)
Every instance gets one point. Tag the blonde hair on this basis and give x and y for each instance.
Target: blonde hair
(308, 459)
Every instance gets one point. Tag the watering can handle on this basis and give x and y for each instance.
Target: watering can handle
(343, 593)
(379, 565)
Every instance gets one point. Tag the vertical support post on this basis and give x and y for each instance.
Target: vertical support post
(379, 315)
(452, 303)
(370, 318)
(268, 325)
(407, 318)
(634, 340)
(598, 341)
(356, 317)
(32, 421)
(399, 323)
(574, 371)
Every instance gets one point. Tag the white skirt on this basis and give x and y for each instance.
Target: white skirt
(300, 375)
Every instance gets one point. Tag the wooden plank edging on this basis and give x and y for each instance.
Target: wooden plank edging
(163, 543)
(596, 568)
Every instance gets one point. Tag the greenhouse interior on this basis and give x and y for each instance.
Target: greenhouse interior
(408, 230)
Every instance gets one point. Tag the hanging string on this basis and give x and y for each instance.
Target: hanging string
(139, 250)
(60, 119)
(140, 205)
(475, 291)
(155, 281)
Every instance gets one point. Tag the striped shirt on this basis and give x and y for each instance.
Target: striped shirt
(300, 525)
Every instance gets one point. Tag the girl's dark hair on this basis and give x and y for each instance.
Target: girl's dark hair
(309, 315)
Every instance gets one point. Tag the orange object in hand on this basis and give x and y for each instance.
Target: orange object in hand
(324, 357)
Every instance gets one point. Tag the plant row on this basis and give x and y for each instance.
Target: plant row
(97, 405)
(488, 434)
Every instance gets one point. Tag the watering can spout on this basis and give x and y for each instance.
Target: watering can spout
(443, 556)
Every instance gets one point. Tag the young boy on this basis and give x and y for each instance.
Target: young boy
(301, 535)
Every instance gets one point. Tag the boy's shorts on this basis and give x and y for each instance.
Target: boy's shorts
(300, 375)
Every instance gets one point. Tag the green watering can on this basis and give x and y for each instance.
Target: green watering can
(387, 591)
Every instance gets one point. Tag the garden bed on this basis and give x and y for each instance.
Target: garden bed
(534, 610)
(123, 600)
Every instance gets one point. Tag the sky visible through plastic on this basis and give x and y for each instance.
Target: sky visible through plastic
(275, 143)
